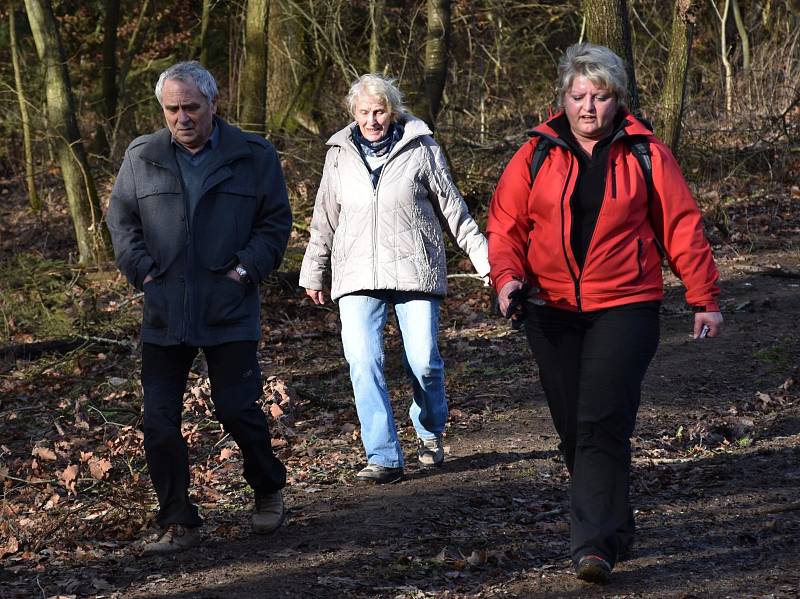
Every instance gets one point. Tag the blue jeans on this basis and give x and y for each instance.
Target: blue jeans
(364, 317)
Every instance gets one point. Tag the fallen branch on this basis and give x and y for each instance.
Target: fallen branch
(792, 507)
(26, 351)
(769, 271)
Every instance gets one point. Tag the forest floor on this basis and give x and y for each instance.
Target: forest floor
(716, 463)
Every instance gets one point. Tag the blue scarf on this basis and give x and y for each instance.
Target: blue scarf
(377, 148)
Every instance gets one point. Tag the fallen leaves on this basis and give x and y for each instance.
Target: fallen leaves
(9, 547)
(44, 453)
(68, 477)
(99, 467)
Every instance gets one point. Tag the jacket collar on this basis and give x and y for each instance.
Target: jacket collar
(413, 128)
(630, 126)
(232, 145)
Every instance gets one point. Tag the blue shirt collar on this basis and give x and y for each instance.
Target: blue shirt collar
(211, 144)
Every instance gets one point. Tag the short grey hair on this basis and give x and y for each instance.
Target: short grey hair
(378, 86)
(598, 64)
(189, 72)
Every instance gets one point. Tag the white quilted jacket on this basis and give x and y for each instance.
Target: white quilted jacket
(389, 237)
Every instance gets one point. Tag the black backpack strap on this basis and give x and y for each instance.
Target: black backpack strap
(641, 149)
(539, 154)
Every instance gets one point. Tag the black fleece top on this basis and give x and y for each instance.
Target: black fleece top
(590, 186)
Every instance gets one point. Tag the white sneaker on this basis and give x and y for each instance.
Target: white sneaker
(430, 451)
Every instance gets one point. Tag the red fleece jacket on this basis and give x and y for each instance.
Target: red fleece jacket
(529, 229)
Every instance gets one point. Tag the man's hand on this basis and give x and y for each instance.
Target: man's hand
(147, 279)
(232, 274)
(317, 296)
(712, 320)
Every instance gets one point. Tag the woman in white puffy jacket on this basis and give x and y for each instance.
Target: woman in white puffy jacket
(385, 199)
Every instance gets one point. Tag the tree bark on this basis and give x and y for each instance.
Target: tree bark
(375, 22)
(294, 76)
(726, 61)
(607, 24)
(253, 86)
(202, 40)
(674, 92)
(91, 235)
(437, 47)
(134, 46)
(108, 75)
(30, 182)
(740, 27)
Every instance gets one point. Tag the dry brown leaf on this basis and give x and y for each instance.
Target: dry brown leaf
(225, 454)
(69, 476)
(11, 546)
(278, 443)
(99, 467)
(44, 453)
(53, 501)
(275, 410)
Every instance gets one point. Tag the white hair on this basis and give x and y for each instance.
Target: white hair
(189, 72)
(377, 86)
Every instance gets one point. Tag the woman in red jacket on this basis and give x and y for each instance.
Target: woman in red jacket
(576, 253)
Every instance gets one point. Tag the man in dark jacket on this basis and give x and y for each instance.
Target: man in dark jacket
(199, 216)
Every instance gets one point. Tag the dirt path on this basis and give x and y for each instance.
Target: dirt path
(716, 475)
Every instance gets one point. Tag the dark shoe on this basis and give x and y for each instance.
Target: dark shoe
(268, 513)
(430, 451)
(593, 568)
(176, 538)
(381, 475)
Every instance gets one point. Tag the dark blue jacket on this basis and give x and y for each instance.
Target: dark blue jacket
(243, 216)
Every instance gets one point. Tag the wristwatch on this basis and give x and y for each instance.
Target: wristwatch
(242, 272)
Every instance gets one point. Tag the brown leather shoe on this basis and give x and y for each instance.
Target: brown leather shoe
(176, 538)
(268, 513)
(593, 568)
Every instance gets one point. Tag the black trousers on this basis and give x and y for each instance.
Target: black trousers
(591, 365)
(235, 390)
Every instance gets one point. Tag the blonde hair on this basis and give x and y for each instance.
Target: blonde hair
(598, 64)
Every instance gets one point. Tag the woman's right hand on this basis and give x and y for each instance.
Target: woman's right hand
(317, 296)
(504, 297)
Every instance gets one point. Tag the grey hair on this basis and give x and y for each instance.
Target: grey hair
(189, 72)
(598, 64)
(383, 88)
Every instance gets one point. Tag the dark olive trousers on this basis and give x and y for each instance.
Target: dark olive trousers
(235, 390)
(591, 365)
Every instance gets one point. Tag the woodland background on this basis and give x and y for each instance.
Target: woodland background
(719, 80)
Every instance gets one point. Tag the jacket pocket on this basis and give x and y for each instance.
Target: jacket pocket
(156, 305)
(226, 302)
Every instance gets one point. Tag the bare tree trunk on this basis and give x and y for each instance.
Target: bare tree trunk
(726, 62)
(91, 236)
(375, 22)
(30, 183)
(437, 47)
(202, 41)
(108, 75)
(740, 27)
(607, 24)
(134, 45)
(253, 77)
(674, 92)
(293, 76)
